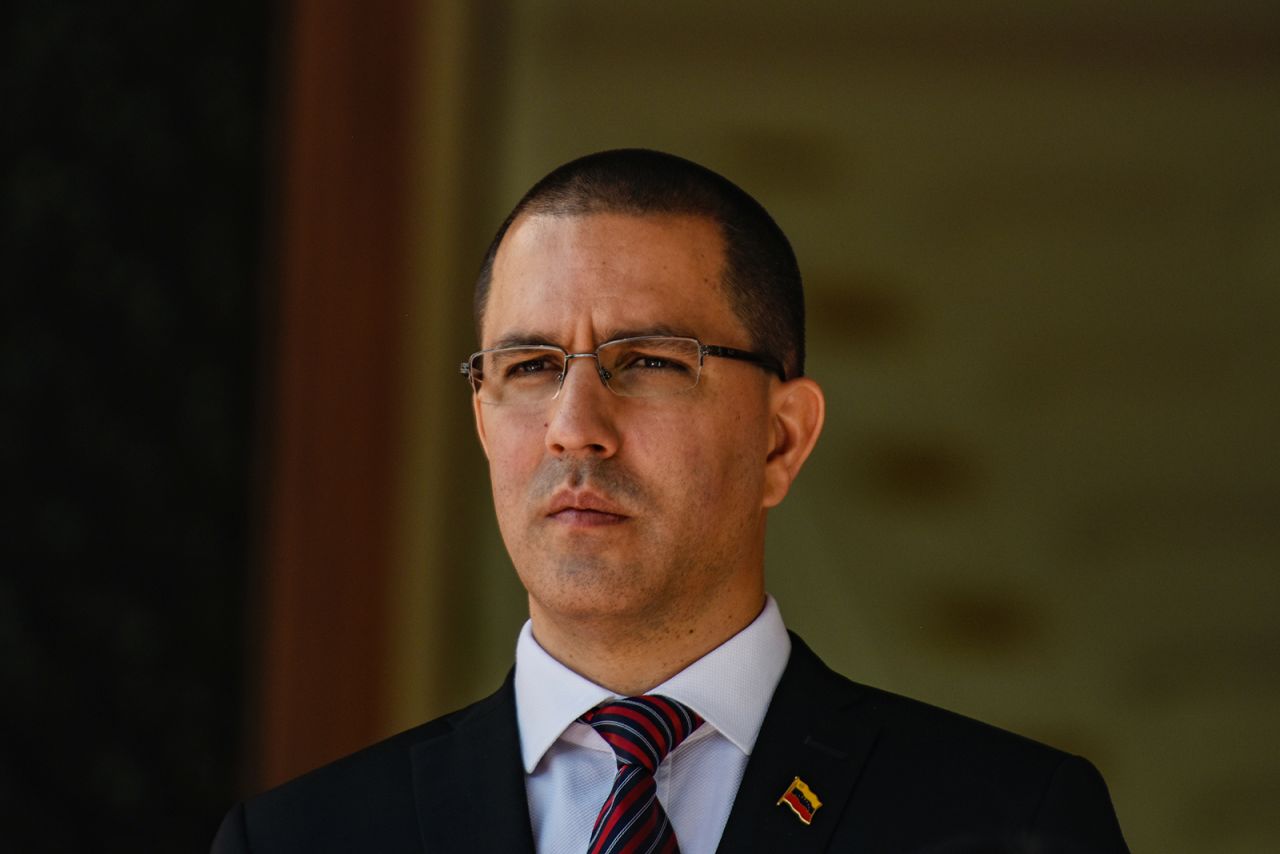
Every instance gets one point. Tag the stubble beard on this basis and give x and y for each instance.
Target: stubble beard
(637, 577)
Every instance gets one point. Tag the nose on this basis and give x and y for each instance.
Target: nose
(582, 414)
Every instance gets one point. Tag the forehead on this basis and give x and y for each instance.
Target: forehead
(598, 276)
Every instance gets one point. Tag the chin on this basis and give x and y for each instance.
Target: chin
(593, 590)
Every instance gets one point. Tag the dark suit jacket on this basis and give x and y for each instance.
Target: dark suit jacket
(893, 775)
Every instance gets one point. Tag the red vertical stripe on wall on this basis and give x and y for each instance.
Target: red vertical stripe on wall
(342, 265)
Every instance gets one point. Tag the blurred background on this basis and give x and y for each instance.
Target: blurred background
(247, 525)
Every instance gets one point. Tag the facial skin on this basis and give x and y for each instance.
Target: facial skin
(636, 525)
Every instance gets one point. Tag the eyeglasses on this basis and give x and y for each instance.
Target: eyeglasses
(650, 366)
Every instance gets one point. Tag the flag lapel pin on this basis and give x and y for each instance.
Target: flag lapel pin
(803, 802)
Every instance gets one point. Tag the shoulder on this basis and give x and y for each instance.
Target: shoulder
(920, 734)
(909, 728)
(365, 799)
(948, 770)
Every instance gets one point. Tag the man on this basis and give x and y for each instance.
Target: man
(641, 400)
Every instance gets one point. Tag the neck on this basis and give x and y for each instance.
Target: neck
(633, 656)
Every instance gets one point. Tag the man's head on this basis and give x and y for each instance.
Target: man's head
(760, 276)
(636, 495)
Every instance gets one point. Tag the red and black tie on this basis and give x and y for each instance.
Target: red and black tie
(641, 731)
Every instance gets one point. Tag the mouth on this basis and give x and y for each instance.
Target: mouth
(584, 509)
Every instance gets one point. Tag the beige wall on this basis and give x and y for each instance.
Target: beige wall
(1042, 248)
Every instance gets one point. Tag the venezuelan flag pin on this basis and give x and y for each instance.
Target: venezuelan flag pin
(803, 802)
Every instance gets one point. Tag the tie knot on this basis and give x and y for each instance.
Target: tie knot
(643, 730)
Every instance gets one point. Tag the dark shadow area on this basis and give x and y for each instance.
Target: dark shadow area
(131, 312)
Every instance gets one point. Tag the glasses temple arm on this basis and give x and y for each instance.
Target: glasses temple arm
(745, 356)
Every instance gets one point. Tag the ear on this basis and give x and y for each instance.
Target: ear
(798, 410)
(478, 410)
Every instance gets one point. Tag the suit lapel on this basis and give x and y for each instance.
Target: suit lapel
(469, 784)
(800, 737)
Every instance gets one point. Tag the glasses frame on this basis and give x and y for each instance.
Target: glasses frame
(468, 370)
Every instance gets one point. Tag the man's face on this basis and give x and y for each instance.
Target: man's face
(611, 507)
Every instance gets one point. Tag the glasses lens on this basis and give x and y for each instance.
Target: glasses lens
(517, 375)
(651, 367)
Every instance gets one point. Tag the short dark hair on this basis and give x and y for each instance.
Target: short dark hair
(761, 276)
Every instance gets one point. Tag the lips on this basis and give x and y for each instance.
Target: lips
(584, 508)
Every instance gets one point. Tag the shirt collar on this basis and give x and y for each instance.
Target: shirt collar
(730, 687)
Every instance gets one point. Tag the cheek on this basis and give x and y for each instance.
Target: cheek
(703, 464)
(739, 461)
(512, 461)
(735, 483)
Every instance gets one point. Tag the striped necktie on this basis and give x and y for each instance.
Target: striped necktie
(641, 731)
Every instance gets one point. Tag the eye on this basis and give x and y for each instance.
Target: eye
(650, 362)
(530, 367)
(655, 362)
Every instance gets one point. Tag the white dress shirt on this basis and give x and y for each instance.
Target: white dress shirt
(569, 768)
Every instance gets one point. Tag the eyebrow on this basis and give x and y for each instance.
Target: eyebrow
(524, 338)
(520, 338)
